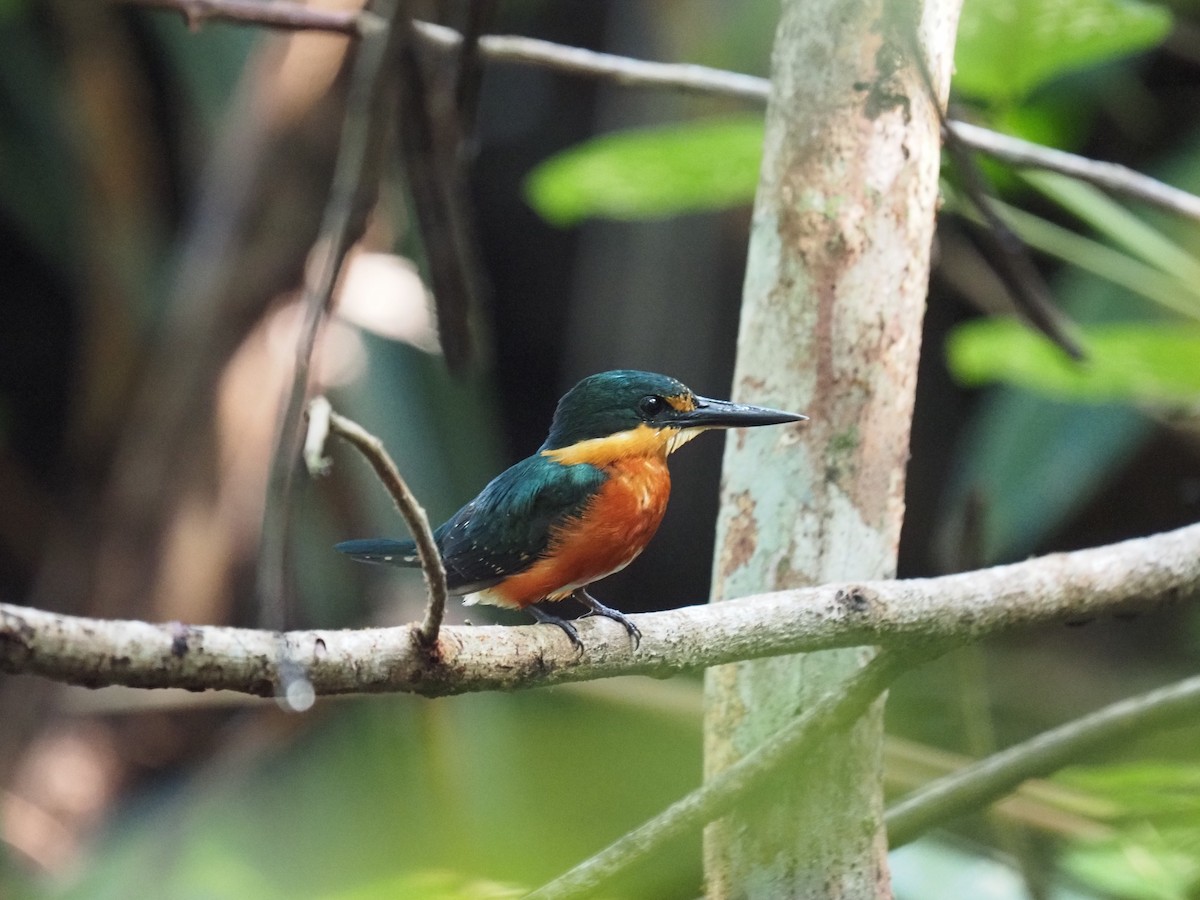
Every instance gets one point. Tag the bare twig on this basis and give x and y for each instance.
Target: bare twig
(834, 711)
(281, 14)
(1110, 176)
(696, 79)
(689, 78)
(320, 415)
(622, 70)
(1140, 574)
(990, 779)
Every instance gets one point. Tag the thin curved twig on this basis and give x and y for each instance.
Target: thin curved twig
(406, 502)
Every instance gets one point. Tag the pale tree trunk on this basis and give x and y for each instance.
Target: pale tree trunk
(831, 325)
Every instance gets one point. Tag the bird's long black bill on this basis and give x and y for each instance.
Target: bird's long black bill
(723, 414)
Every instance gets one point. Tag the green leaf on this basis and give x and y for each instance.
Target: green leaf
(1149, 363)
(1006, 48)
(651, 173)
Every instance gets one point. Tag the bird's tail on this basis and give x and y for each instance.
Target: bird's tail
(380, 550)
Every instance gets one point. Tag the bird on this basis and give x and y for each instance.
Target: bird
(583, 506)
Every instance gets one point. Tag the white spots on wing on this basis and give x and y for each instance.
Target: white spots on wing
(387, 559)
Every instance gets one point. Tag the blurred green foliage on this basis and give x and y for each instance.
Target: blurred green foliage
(1007, 48)
(1143, 363)
(651, 172)
(1153, 852)
(478, 790)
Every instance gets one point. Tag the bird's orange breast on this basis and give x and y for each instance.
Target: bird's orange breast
(614, 527)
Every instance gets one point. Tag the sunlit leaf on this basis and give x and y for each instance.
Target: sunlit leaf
(1008, 47)
(650, 173)
(1153, 363)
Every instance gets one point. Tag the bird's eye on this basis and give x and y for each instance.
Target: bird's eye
(652, 405)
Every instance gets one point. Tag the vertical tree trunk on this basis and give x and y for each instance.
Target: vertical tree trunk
(831, 324)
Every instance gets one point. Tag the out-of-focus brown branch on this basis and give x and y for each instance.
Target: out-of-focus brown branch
(323, 420)
(285, 15)
(469, 80)
(355, 175)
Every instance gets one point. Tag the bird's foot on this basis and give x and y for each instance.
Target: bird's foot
(546, 619)
(599, 609)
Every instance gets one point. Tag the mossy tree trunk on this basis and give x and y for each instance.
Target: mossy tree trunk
(831, 325)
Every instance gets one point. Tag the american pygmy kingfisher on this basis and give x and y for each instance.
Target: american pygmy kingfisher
(582, 507)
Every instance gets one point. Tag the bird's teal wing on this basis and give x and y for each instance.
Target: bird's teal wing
(510, 524)
(502, 531)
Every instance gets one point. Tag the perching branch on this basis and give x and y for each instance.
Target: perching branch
(697, 79)
(1140, 574)
(990, 779)
(322, 420)
(836, 710)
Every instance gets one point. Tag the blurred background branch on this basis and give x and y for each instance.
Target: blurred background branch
(685, 77)
(284, 15)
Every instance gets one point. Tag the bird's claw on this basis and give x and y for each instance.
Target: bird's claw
(596, 608)
(546, 619)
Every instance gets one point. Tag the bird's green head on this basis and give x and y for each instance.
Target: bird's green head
(627, 411)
